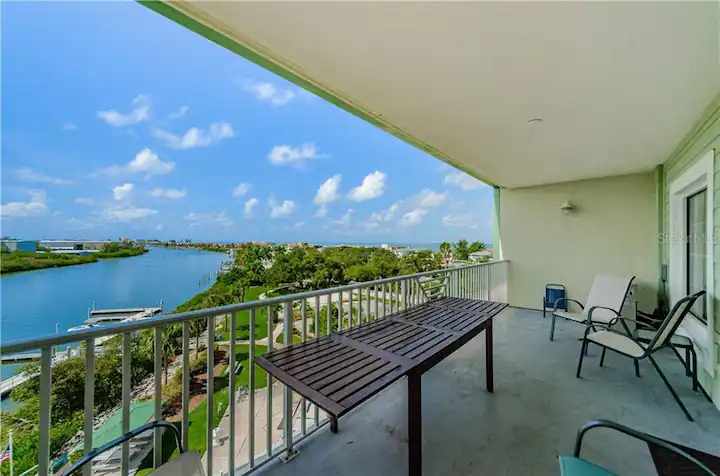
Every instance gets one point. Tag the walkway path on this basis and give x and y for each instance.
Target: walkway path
(220, 453)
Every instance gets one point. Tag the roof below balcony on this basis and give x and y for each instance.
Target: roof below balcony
(617, 85)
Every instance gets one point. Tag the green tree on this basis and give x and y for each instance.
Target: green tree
(461, 251)
(445, 252)
(477, 246)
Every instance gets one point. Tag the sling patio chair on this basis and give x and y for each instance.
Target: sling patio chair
(603, 305)
(630, 346)
(670, 459)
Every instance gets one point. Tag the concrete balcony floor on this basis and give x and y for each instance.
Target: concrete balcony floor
(534, 414)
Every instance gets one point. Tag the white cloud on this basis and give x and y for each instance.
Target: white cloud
(121, 192)
(174, 193)
(373, 186)
(68, 126)
(463, 180)
(430, 198)
(281, 210)
(34, 207)
(413, 217)
(179, 113)
(26, 174)
(146, 161)
(328, 191)
(268, 92)
(321, 212)
(221, 218)
(250, 206)
(345, 220)
(299, 224)
(159, 227)
(285, 154)
(242, 189)
(84, 201)
(79, 224)
(195, 137)
(387, 214)
(120, 213)
(460, 221)
(140, 112)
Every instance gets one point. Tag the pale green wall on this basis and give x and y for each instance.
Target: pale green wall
(613, 231)
(703, 137)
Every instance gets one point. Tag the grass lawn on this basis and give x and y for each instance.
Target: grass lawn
(197, 417)
(242, 323)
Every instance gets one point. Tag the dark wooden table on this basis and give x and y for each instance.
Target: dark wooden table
(340, 371)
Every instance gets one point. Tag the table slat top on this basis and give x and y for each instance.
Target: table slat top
(340, 371)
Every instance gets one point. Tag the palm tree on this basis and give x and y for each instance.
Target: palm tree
(196, 328)
(171, 341)
(445, 252)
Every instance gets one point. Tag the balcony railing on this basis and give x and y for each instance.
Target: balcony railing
(354, 304)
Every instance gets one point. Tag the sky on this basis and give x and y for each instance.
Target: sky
(117, 122)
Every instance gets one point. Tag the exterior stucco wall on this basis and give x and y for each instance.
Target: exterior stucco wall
(613, 230)
(704, 137)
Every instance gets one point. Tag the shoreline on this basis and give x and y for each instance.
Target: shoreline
(62, 260)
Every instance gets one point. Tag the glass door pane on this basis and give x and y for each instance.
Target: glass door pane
(697, 250)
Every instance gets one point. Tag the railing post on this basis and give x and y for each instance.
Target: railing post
(251, 392)
(231, 397)
(290, 452)
(367, 308)
(89, 406)
(126, 374)
(403, 294)
(44, 417)
(186, 384)
(158, 368)
(269, 392)
(303, 404)
(210, 411)
(316, 415)
(375, 292)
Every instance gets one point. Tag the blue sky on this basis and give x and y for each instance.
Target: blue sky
(119, 122)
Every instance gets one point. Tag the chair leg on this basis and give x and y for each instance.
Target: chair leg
(693, 356)
(583, 348)
(602, 356)
(637, 368)
(670, 387)
(552, 327)
(688, 363)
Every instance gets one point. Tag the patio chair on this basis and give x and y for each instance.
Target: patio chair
(630, 346)
(669, 458)
(604, 303)
(645, 331)
(187, 463)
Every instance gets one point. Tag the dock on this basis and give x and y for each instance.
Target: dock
(95, 317)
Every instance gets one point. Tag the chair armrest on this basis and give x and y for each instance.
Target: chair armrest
(635, 434)
(555, 306)
(122, 439)
(592, 309)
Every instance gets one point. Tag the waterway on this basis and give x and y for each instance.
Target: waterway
(35, 303)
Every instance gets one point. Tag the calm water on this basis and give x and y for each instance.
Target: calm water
(33, 302)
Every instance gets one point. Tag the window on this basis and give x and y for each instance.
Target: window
(690, 243)
(696, 249)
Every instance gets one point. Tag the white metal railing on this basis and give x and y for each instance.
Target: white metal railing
(355, 303)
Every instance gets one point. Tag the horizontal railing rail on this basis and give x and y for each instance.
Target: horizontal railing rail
(23, 345)
(288, 316)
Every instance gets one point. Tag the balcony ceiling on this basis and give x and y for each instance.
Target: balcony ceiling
(617, 85)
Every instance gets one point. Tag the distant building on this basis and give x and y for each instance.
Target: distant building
(401, 252)
(74, 245)
(483, 255)
(19, 245)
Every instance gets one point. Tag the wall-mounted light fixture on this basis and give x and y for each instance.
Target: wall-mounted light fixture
(567, 207)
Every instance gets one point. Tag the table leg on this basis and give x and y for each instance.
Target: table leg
(489, 356)
(414, 424)
(333, 424)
